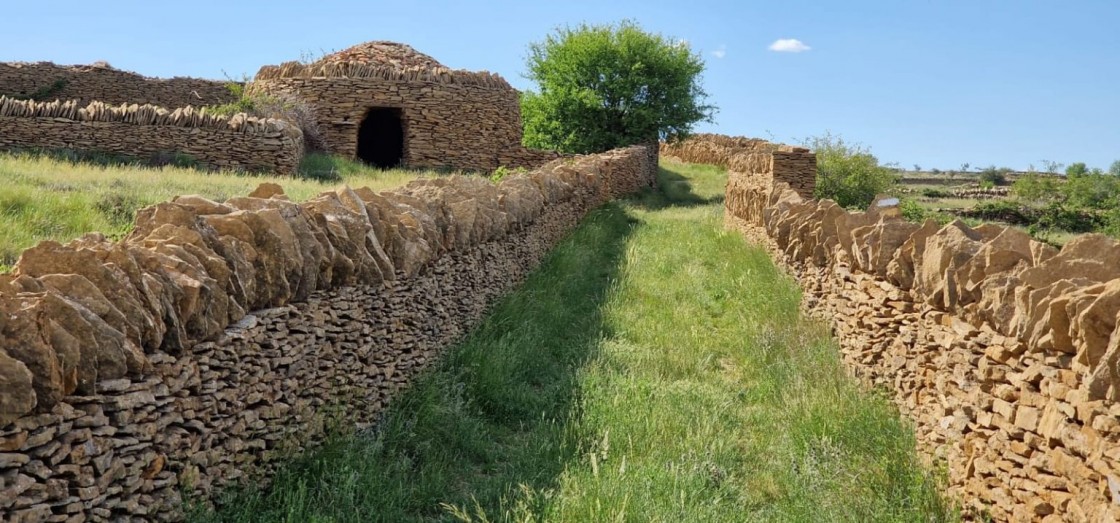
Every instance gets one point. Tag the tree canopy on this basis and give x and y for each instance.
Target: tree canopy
(607, 86)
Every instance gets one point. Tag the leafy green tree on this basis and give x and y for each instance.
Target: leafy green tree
(848, 173)
(1077, 169)
(608, 86)
(917, 168)
(1114, 169)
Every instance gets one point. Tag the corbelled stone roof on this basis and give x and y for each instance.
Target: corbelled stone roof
(392, 54)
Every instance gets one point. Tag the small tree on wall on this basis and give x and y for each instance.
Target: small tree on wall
(608, 86)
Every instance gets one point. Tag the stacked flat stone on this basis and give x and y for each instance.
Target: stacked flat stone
(1003, 350)
(451, 118)
(131, 371)
(108, 85)
(237, 142)
(795, 166)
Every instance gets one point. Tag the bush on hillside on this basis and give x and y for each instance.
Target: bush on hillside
(848, 173)
(994, 176)
(1035, 188)
(930, 192)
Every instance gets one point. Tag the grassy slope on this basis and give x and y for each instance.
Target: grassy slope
(654, 369)
(45, 198)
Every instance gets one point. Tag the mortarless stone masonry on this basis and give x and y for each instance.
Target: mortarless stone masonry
(88, 83)
(451, 118)
(130, 371)
(236, 142)
(448, 119)
(1003, 351)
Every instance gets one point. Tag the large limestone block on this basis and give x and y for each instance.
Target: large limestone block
(1104, 381)
(1010, 250)
(945, 252)
(900, 270)
(521, 199)
(109, 268)
(1089, 256)
(17, 397)
(1095, 325)
(874, 246)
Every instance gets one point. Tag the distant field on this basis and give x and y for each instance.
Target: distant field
(47, 198)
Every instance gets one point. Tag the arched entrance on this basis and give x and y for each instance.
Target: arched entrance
(381, 138)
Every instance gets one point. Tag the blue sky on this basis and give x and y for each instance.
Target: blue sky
(930, 82)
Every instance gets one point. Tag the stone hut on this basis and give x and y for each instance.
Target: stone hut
(387, 104)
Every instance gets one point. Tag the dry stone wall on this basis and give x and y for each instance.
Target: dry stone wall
(795, 166)
(451, 119)
(108, 85)
(131, 371)
(237, 142)
(1002, 350)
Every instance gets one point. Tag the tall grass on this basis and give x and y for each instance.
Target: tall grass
(47, 197)
(655, 368)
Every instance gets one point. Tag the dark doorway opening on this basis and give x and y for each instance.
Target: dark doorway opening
(381, 138)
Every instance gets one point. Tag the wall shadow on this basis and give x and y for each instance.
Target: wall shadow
(673, 190)
(491, 418)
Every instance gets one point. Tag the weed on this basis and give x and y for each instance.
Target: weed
(42, 94)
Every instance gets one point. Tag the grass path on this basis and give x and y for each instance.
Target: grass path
(654, 369)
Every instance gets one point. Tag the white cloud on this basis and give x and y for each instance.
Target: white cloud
(789, 45)
(720, 52)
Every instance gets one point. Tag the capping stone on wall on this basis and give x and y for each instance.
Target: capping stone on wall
(1003, 350)
(131, 371)
(225, 142)
(112, 86)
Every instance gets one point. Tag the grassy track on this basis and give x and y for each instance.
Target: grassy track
(47, 198)
(653, 369)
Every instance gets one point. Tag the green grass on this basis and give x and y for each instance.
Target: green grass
(655, 368)
(48, 197)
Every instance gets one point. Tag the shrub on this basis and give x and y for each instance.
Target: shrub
(282, 106)
(1035, 188)
(1058, 215)
(994, 176)
(930, 192)
(848, 173)
(913, 211)
(1001, 210)
(503, 171)
(1092, 190)
(1077, 169)
(43, 94)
